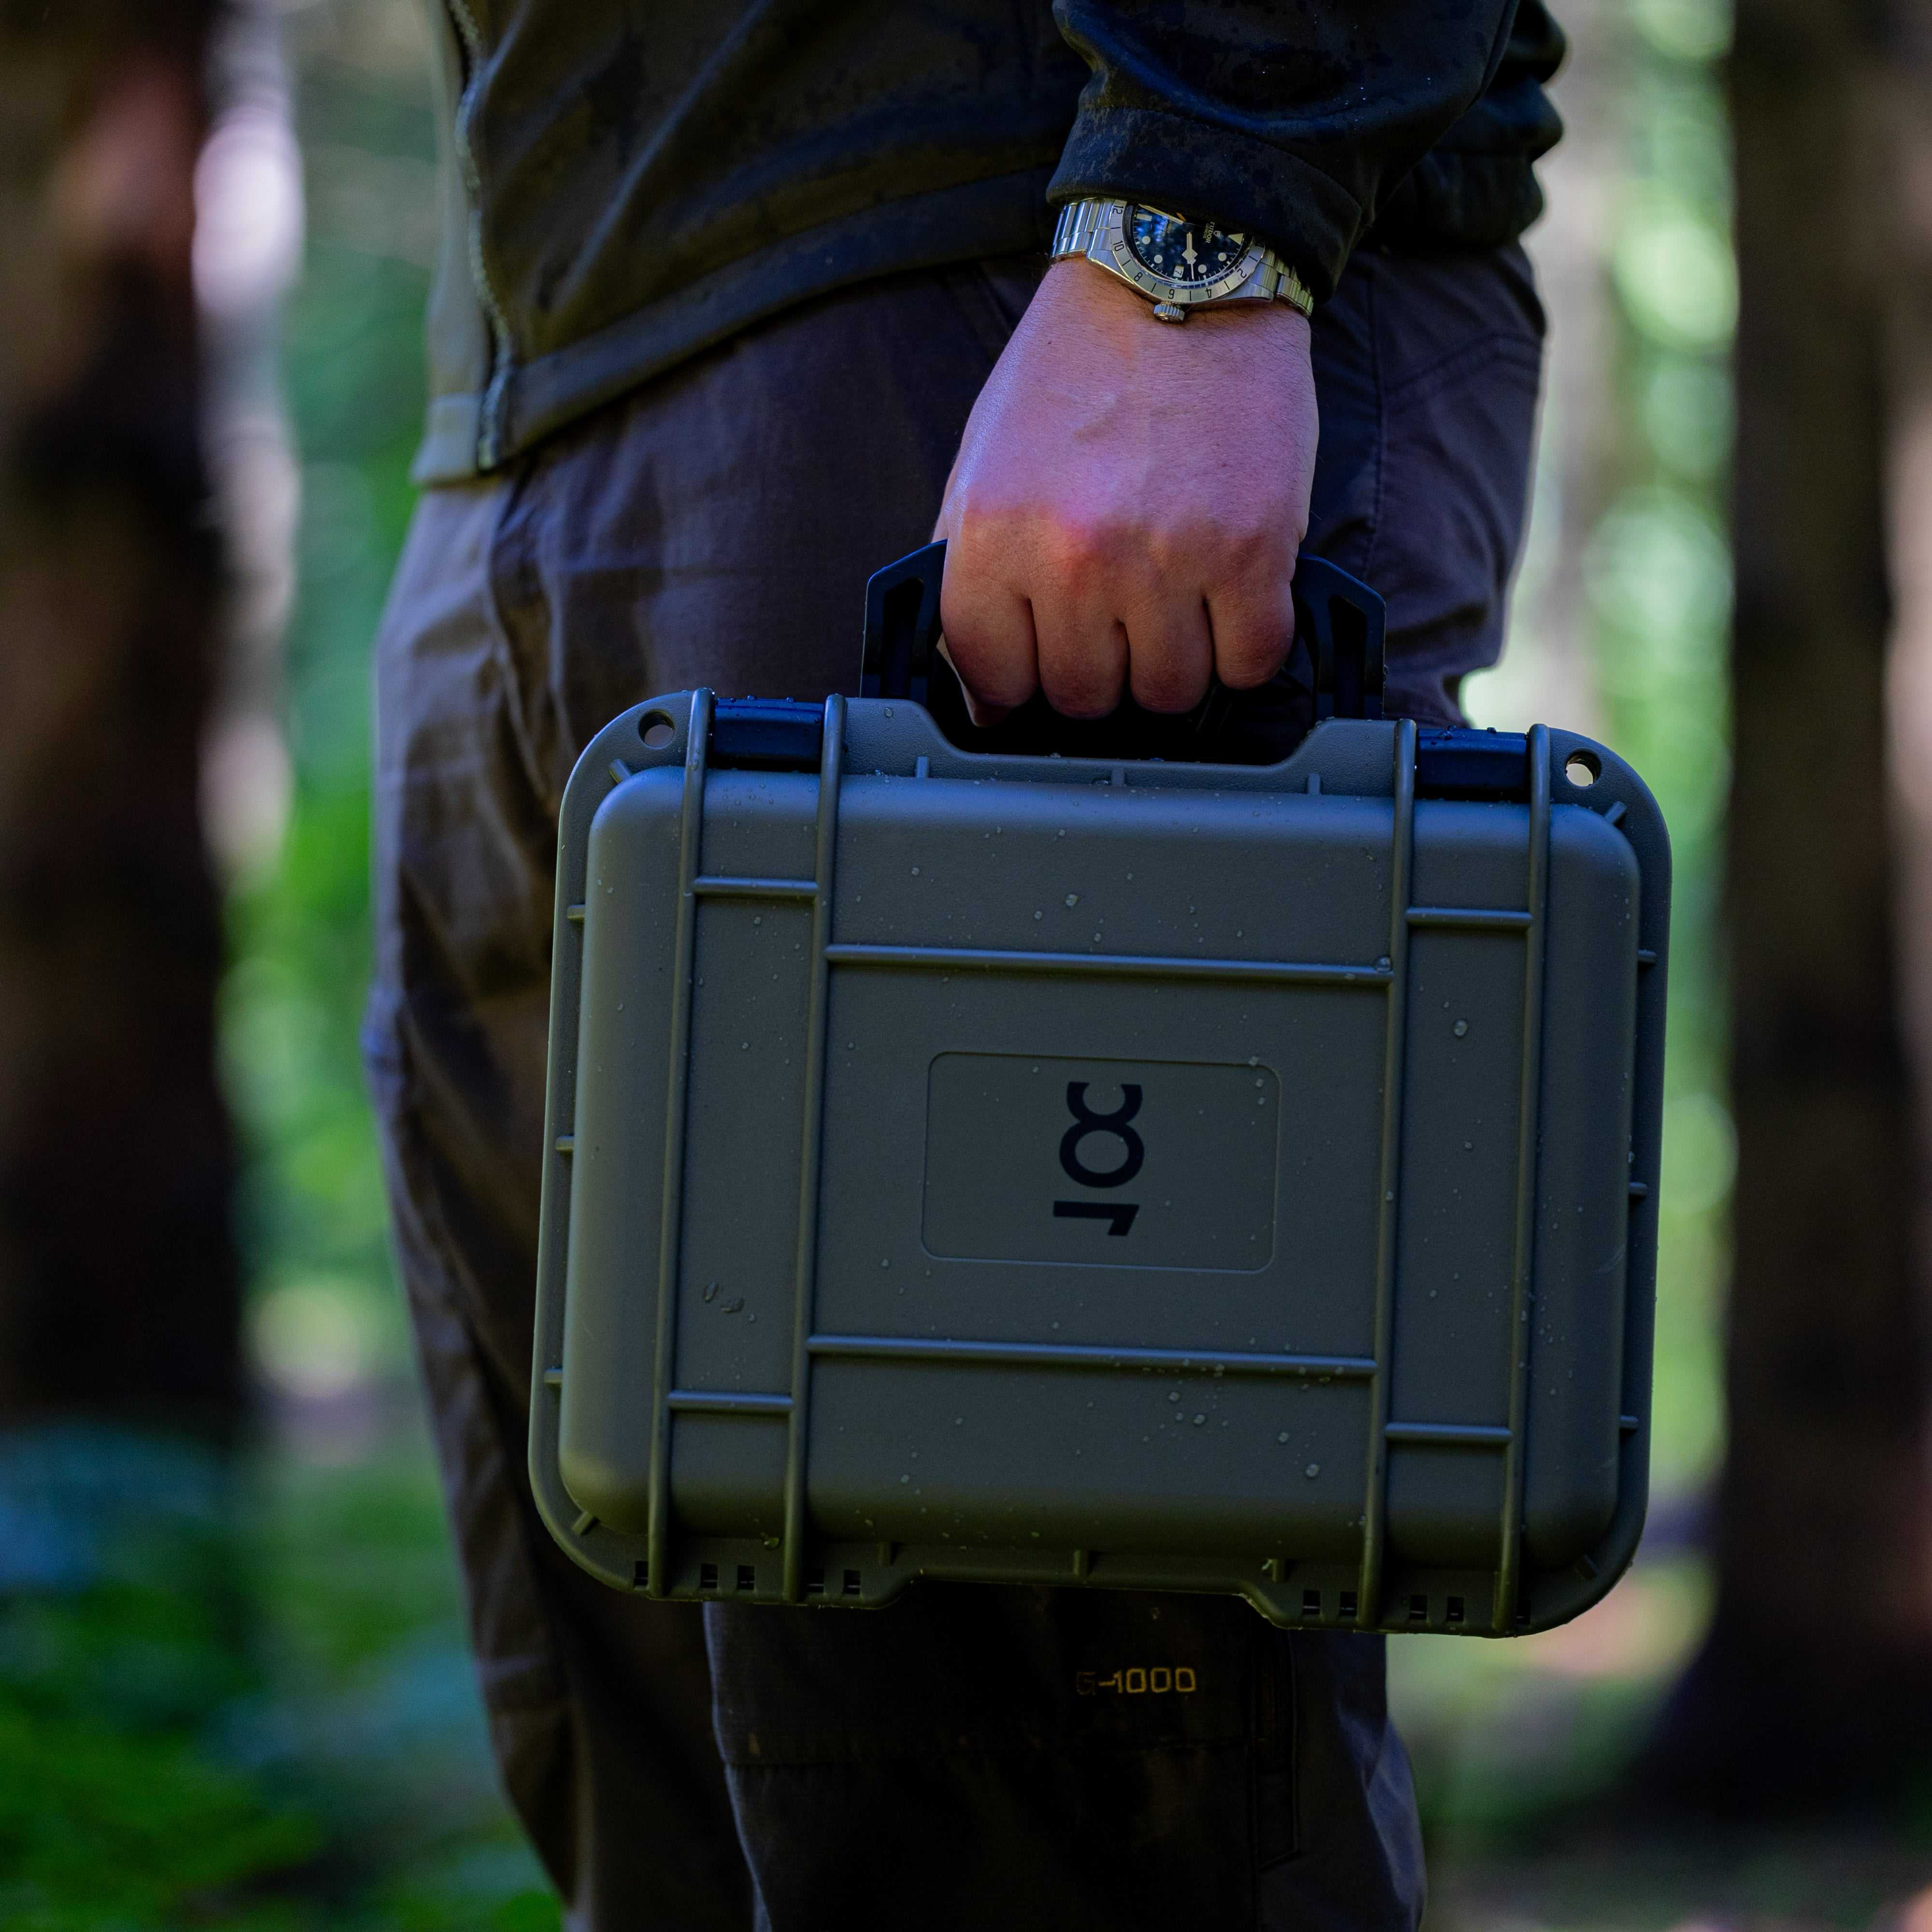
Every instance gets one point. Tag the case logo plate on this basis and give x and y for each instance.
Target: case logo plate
(1120, 1163)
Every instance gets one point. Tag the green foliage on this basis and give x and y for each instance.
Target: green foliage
(263, 1719)
(1658, 578)
(113, 1811)
(292, 1010)
(352, 1565)
(246, 1702)
(1656, 584)
(1510, 1738)
(102, 1829)
(313, 1201)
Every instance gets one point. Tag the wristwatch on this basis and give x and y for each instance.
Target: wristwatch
(1177, 262)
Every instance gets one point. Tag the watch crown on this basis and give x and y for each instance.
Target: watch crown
(1169, 312)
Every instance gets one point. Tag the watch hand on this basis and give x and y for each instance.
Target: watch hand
(1187, 251)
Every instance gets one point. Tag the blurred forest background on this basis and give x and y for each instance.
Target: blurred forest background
(234, 1693)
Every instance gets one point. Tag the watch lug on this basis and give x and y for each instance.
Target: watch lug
(1259, 287)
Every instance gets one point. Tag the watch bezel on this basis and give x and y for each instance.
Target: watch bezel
(1114, 238)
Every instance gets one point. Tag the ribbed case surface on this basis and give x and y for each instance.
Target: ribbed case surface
(1155, 1175)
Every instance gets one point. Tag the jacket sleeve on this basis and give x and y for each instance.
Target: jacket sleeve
(1291, 119)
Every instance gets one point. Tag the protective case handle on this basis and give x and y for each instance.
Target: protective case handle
(1339, 625)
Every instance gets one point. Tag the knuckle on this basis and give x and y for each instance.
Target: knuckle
(1257, 549)
(1171, 659)
(1081, 549)
(1083, 689)
(1084, 698)
(992, 669)
(990, 651)
(974, 546)
(1250, 659)
(1169, 550)
(1253, 558)
(1170, 687)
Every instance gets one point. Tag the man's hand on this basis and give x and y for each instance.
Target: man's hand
(1127, 503)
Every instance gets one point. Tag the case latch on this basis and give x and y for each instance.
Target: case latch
(751, 734)
(1455, 762)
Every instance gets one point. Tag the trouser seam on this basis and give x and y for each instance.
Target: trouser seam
(1379, 444)
(438, 1240)
(518, 615)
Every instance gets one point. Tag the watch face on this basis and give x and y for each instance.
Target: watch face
(1190, 253)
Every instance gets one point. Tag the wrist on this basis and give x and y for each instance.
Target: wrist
(1077, 295)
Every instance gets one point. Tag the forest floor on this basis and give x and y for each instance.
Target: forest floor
(1523, 1754)
(242, 1703)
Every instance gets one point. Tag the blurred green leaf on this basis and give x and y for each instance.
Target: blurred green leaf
(1674, 269)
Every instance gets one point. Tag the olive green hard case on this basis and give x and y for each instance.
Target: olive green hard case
(1141, 1174)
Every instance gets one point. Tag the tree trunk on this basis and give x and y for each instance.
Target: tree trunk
(1816, 1678)
(119, 1281)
